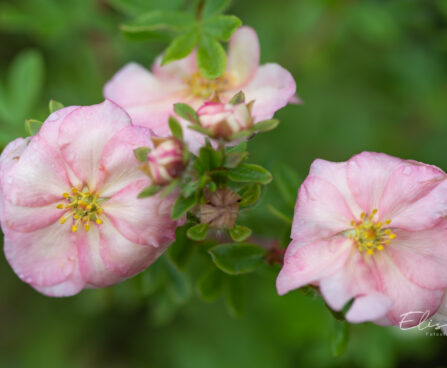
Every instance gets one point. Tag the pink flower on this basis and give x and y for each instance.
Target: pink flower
(69, 210)
(149, 97)
(165, 161)
(224, 120)
(371, 229)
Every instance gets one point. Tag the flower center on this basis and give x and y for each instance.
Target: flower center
(83, 206)
(370, 235)
(205, 88)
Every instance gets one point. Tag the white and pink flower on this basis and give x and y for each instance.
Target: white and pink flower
(69, 207)
(371, 229)
(149, 97)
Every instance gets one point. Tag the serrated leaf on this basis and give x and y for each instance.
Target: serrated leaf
(181, 250)
(141, 153)
(213, 7)
(186, 112)
(180, 47)
(54, 105)
(221, 26)
(182, 205)
(266, 125)
(211, 57)
(237, 98)
(176, 128)
(210, 285)
(239, 258)
(150, 191)
(32, 126)
(339, 338)
(250, 173)
(249, 194)
(198, 232)
(236, 295)
(239, 233)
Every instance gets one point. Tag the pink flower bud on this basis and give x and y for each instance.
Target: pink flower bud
(224, 120)
(165, 161)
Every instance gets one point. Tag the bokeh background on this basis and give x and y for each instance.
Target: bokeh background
(372, 75)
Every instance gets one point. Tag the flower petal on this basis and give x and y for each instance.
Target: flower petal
(415, 197)
(12, 152)
(84, 134)
(320, 211)
(118, 162)
(45, 257)
(370, 307)
(421, 256)
(367, 175)
(38, 178)
(69, 287)
(309, 263)
(50, 128)
(145, 221)
(178, 70)
(271, 87)
(243, 56)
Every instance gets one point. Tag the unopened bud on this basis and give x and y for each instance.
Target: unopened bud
(224, 120)
(165, 161)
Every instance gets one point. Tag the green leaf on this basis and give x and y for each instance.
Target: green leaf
(181, 47)
(339, 338)
(183, 205)
(159, 21)
(237, 98)
(221, 26)
(236, 259)
(141, 153)
(266, 125)
(198, 232)
(150, 191)
(243, 134)
(170, 187)
(250, 173)
(32, 126)
(211, 159)
(239, 233)
(199, 129)
(181, 250)
(279, 214)
(211, 57)
(54, 106)
(190, 188)
(249, 194)
(213, 7)
(233, 160)
(239, 148)
(210, 284)
(236, 295)
(176, 128)
(287, 181)
(186, 112)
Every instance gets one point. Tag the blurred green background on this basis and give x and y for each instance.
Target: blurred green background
(372, 75)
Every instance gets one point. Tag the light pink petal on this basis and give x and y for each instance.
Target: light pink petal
(295, 100)
(271, 88)
(177, 71)
(336, 174)
(118, 162)
(122, 256)
(320, 211)
(415, 197)
(38, 178)
(421, 256)
(145, 221)
(84, 134)
(407, 297)
(45, 257)
(370, 307)
(92, 267)
(50, 128)
(243, 56)
(11, 153)
(26, 219)
(355, 279)
(71, 286)
(367, 175)
(309, 263)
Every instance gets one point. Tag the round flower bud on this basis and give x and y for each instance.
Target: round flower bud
(165, 161)
(224, 120)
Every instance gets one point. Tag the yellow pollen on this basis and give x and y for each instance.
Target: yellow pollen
(84, 206)
(368, 235)
(205, 88)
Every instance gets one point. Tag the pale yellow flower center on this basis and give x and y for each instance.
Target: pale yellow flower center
(369, 235)
(205, 88)
(83, 206)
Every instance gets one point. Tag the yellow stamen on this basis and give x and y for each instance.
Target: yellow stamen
(60, 206)
(74, 228)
